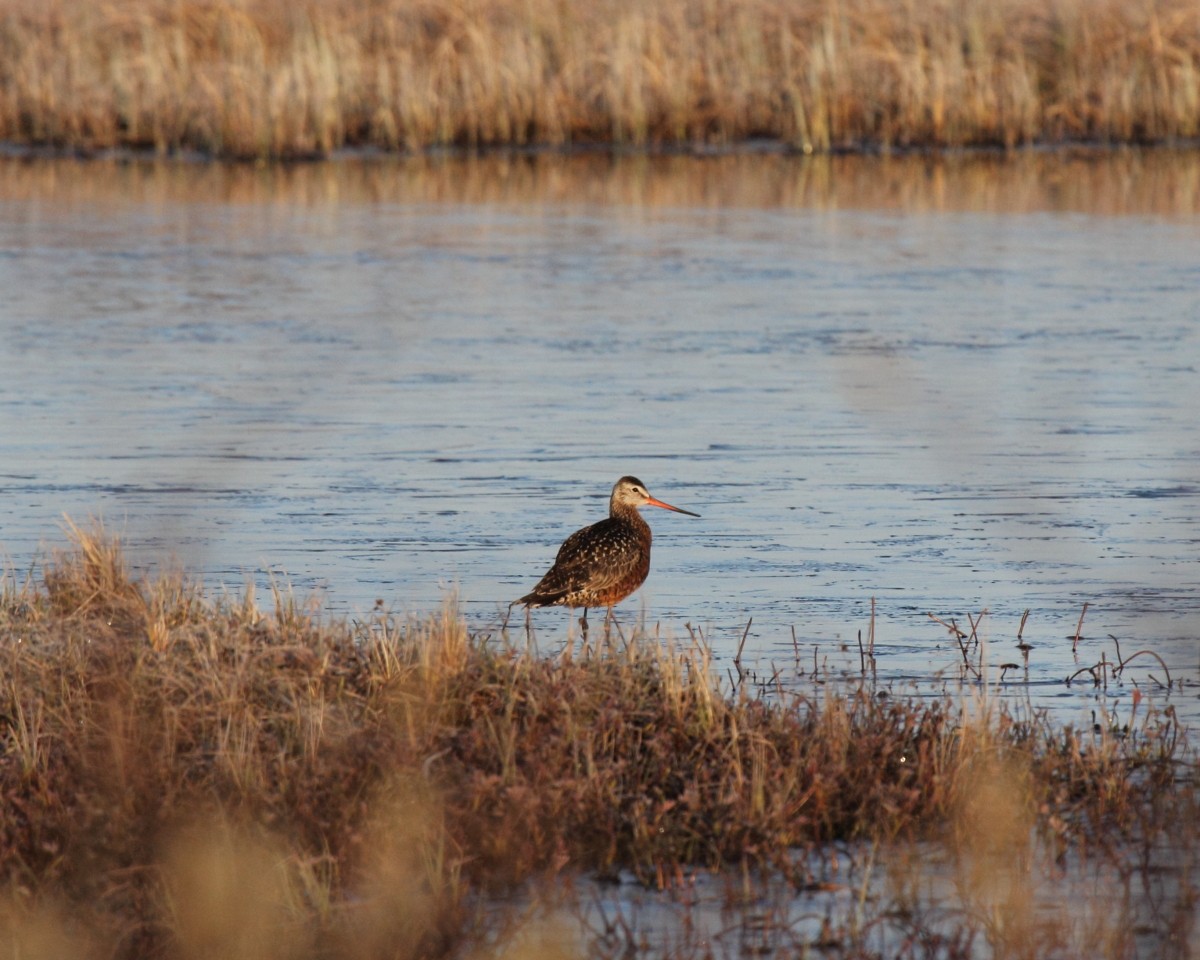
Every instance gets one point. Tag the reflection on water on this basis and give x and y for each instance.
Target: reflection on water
(1126, 182)
(949, 385)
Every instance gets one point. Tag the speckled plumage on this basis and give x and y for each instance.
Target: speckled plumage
(604, 563)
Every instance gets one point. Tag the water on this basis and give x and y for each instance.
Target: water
(948, 386)
(899, 901)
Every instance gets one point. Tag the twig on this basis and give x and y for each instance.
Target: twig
(737, 660)
(959, 637)
(951, 626)
(1148, 653)
(1079, 627)
(1021, 628)
(975, 622)
(698, 638)
(871, 633)
(962, 646)
(871, 640)
(1091, 670)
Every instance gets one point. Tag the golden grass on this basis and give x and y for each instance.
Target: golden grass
(274, 78)
(182, 776)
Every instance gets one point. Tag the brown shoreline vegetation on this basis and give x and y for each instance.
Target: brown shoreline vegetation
(273, 78)
(183, 776)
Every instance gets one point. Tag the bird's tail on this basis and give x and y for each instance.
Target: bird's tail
(536, 599)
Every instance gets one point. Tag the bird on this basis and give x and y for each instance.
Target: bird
(601, 564)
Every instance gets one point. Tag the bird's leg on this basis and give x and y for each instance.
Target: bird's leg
(609, 621)
(583, 624)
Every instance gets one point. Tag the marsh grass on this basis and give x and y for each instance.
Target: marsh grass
(273, 78)
(185, 776)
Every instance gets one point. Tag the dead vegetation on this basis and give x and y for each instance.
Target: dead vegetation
(183, 776)
(271, 78)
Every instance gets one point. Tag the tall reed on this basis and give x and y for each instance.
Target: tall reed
(274, 78)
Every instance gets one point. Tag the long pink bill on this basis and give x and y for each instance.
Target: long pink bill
(650, 501)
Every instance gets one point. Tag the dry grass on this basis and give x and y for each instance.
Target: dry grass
(260, 78)
(183, 776)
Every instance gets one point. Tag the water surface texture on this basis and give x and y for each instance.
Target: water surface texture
(949, 386)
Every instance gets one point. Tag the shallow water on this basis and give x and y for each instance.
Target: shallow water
(951, 386)
(888, 901)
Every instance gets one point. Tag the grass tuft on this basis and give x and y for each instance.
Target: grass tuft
(184, 776)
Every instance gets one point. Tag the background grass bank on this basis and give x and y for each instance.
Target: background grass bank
(272, 78)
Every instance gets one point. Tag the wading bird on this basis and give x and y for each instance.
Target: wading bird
(601, 565)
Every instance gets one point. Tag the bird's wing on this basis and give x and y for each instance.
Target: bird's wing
(591, 558)
(597, 556)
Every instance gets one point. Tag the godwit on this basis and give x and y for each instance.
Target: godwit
(601, 565)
